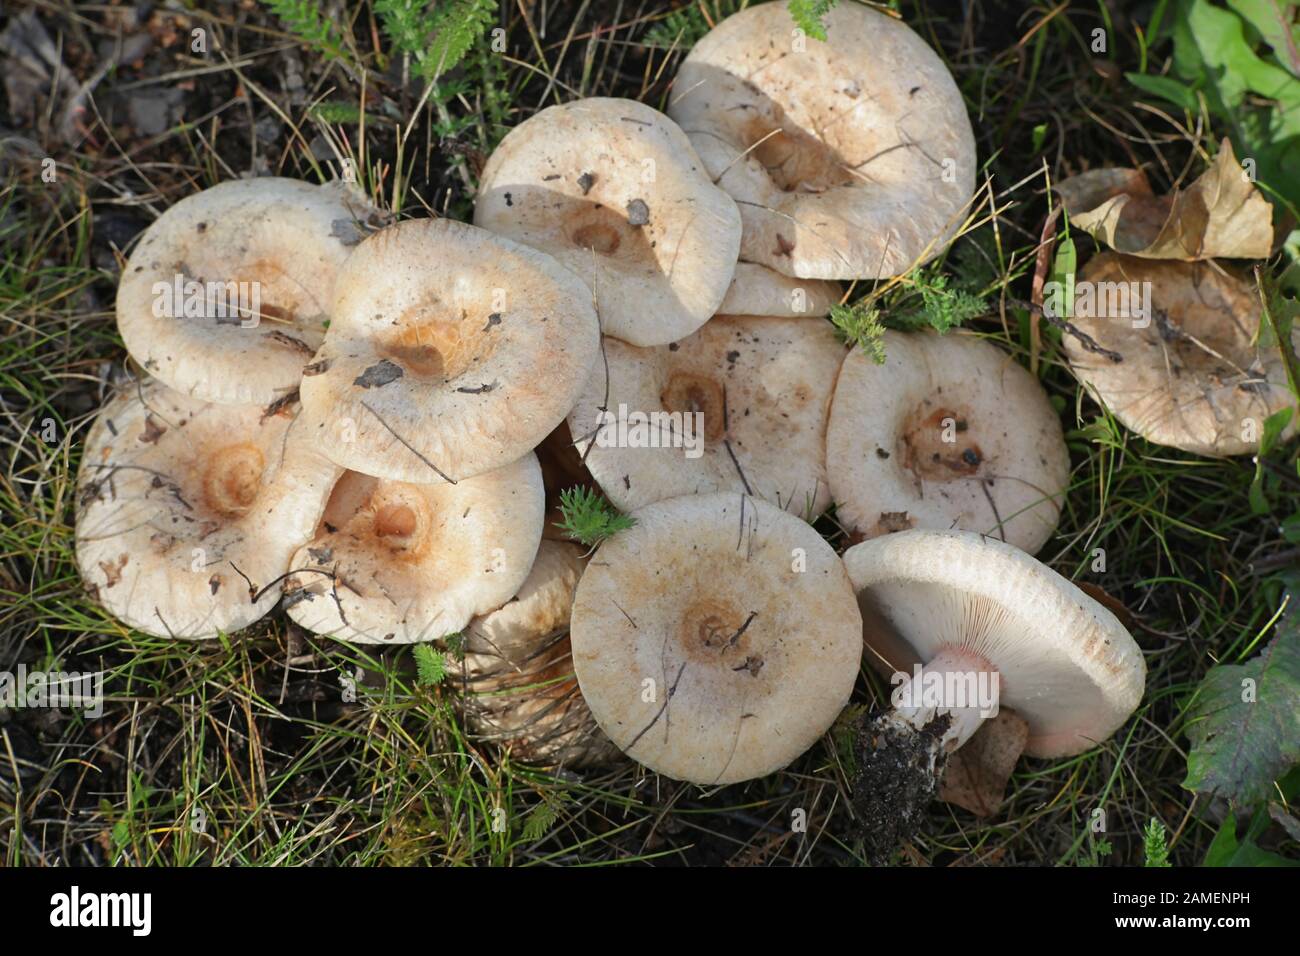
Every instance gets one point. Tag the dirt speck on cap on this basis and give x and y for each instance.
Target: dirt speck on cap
(113, 570)
(378, 375)
(152, 431)
(638, 213)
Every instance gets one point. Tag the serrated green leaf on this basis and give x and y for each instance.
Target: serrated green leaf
(538, 823)
(430, 666)
(809, 15)
(1244, 723)
(589, 518)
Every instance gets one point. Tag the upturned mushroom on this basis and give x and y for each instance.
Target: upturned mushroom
(739, 406)
(980, 624)
(188, 511)
(226, 296)
(950, 432)
(1176, 352)
(451, 352)
(397, 563)
(716, 639)
(849, 158)
(613, 189)
(516, 678)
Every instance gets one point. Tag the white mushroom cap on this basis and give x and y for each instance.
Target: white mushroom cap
(1064, 662)
(716, 639)
(949, 433)
(270, 248)
(757, 290)
(451, 352)
(517, 673)
(763, 386)
(396, 563)
(849, 158)
(182, 505)
(613, 189)
(1194, 374)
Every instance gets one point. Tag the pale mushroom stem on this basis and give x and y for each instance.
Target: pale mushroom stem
(955, 682)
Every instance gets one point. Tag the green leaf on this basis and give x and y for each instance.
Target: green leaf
(455, 644)
(859, 325)
(1279, 315)
(1064, 264)
(1244, 721)
(306, 19)
(430, 667)
(1040, 136)
(942, 306)
(1268, 19)
(538, 823)
(1228, 850)
(436, 40)
(1214, 50)
(1273, 428)
(589, 518)
(1155, 848)
(682, 29)
(809, 15)
(1180, 94)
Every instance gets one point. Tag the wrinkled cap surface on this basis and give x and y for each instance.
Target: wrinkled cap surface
(949, 433)
(451, 352)
(226, 296)
(613, 189)
(516, 677)
(850, 158)
(1065, 664)
(396, 563)
(1195, 374)
(716, 639)
(763, 388)
(182, 505)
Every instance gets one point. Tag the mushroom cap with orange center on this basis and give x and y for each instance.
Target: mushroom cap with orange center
(849, 158)
(1064, 662)
(950, 432)
(397, 563)
(1196, 372)
(185, 505)
(253, 261)
(717, 639)
(451, 352)
(759, 387)
(613, 189)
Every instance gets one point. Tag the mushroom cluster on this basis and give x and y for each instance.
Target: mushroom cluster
(379, 439)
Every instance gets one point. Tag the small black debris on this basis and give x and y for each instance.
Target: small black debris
(638, 213)
(379, 374)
